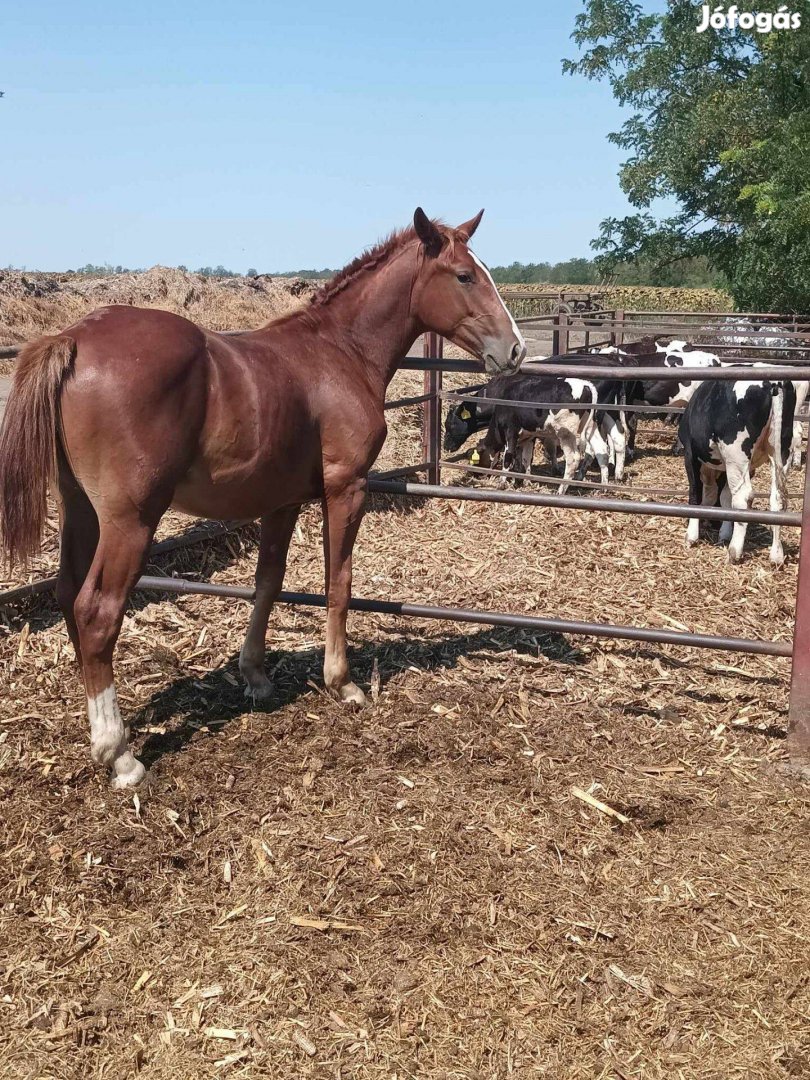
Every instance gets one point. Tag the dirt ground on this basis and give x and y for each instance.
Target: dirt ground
(415, 889)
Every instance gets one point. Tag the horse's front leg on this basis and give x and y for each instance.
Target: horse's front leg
(342, 513)
(277, 530)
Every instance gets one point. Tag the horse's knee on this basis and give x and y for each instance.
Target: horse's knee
(98, 620)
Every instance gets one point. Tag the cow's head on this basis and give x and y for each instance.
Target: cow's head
(460, 422)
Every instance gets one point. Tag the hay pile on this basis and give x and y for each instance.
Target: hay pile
(37, 303)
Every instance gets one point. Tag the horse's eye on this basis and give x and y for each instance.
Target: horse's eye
(465, 278)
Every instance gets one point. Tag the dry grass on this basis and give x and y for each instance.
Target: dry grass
(40, 303)
(413, 890)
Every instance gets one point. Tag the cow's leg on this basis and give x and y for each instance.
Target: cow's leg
(795, 456)
(693, 475)
(777, 554)
(738, 475)
(598, 447)
(277, 530)
(523, 459)
(123, 544)
(727, 526)
(550, 445)
(572, 453)
(617, 441)
(709, 478)
(343, 511)
(629, 422)
(511, 456)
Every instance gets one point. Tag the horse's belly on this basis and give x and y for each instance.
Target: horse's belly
(244, 497)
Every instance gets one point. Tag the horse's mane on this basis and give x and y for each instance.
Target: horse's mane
(370, 259)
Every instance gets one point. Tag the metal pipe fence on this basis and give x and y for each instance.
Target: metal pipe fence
(620, 325)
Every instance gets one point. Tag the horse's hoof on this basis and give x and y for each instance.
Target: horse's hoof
(352, 695)
(128, 774)
(263, 691)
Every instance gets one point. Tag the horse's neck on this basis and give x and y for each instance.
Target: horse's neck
(374, 314)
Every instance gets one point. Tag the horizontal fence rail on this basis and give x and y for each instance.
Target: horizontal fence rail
(555, 481)
(743, 372)
(582, 502)
(580, 406)
(487, 618)
(732, 373)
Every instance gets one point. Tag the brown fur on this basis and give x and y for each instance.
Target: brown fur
(28, 442)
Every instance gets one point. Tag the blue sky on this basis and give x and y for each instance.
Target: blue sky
(279, 136)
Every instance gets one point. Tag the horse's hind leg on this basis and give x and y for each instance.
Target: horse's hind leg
(277, 530)
(78, 542)
(342, 512)
(99, 611)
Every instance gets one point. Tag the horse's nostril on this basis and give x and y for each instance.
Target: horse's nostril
(517, 352)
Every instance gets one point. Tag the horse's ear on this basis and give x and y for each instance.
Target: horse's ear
(427, 232)
(465, 231)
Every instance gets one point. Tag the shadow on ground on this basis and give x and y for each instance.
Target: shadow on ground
(194, 700)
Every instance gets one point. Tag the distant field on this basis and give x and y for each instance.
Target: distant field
(627, 297)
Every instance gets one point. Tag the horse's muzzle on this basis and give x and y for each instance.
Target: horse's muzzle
(498, 360)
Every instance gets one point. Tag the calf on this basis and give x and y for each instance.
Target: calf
(617, 427)
(733, 428)
(468, 417)
(514, 428)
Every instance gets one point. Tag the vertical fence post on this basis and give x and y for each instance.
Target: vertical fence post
(564, 337)
(431, 410)
(559, 336)
(617, 337)
(798, 740)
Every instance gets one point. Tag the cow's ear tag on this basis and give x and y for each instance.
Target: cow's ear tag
(475, 457)
(465, 413)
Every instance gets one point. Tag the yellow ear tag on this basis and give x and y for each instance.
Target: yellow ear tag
(475, 457)
(465, 413)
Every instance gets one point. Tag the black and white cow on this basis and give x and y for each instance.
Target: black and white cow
(733, 428)
(769, 338)
(513, 429)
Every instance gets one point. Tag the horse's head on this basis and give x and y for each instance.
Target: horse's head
(455, 296)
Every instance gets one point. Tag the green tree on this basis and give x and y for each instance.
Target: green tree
(720, 123)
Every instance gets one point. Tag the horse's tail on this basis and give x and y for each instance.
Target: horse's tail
(28, 441)
(775, 437)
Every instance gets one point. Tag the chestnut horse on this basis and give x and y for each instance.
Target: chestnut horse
(132, 411)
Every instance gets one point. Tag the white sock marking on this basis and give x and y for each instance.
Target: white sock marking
(108, 739)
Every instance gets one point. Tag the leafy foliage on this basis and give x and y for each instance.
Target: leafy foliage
(690, 273)
(720, 124)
